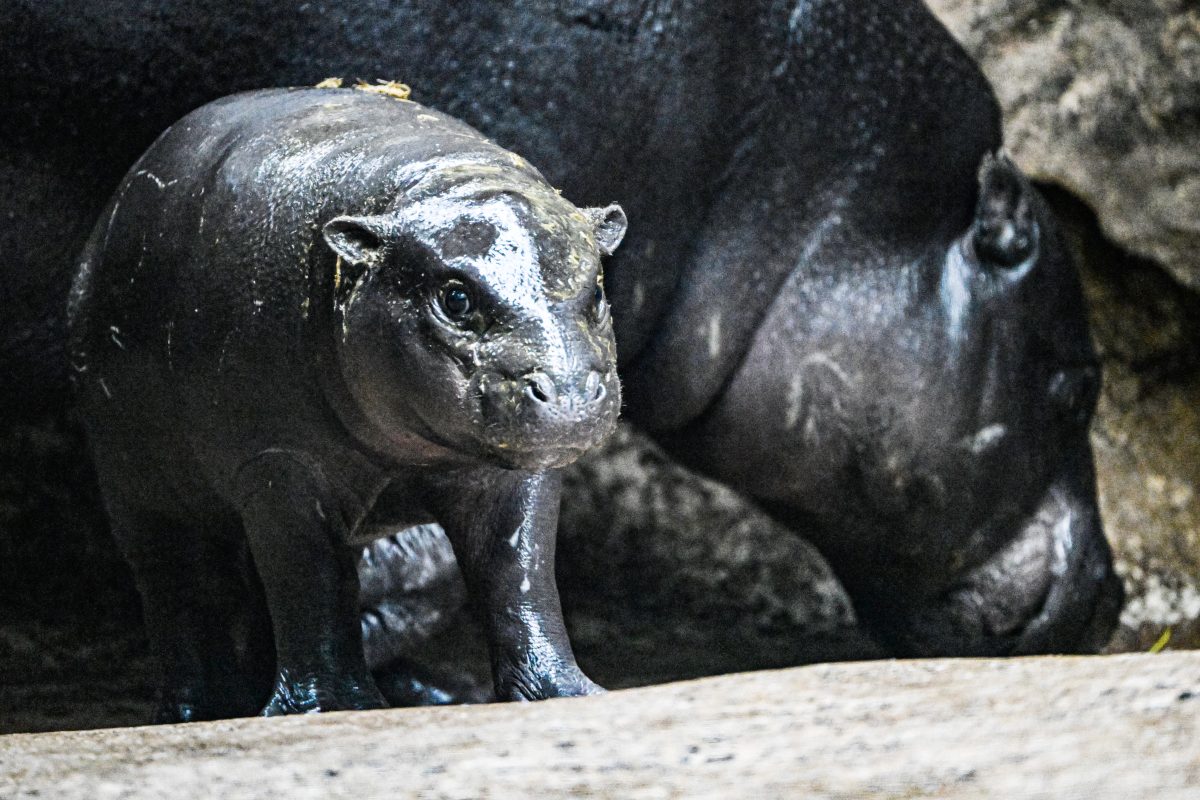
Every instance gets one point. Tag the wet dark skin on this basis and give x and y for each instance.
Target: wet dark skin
(304, 303)
(803, 307)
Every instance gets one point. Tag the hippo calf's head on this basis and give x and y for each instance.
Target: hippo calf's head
(474, 316)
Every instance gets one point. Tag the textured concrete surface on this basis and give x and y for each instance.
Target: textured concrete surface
(1088, 728)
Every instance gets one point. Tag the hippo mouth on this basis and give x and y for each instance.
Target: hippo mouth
(534, 459)
(509, 452)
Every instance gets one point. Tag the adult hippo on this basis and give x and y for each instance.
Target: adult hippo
(833, 296)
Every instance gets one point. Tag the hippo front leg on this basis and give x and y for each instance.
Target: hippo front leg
(296, 535)
(503, 528)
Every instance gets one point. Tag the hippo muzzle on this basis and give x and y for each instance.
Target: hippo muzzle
(542, 419)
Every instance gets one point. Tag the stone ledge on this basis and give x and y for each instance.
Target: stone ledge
(1062, 728)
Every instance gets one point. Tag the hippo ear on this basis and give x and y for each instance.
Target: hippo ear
(358, 240)
(609, 224)
(1005, 232)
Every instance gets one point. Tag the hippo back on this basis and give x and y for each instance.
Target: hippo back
(774, 107)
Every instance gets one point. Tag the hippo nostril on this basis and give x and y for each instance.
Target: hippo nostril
(540, 389)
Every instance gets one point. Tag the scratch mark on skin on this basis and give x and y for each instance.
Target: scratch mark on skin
(714, 336)
(114, 332)
(159, 182)
(795, 402)
(113, 217)
(825, 361)
(104, 386)
(985, 439)
(794, 411)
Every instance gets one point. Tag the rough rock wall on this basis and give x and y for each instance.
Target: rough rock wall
(1147, 433)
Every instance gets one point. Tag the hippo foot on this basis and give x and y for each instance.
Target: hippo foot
(310, 694)
(404, 683)
(522, 685)
(199, 705)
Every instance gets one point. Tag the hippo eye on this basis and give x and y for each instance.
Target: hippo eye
(599, 306)
(456, 301)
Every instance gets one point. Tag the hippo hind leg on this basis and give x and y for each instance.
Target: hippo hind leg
(296, 531)
(194, 597)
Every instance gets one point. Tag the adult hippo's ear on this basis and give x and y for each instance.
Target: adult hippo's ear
(609, 225)
(1005, 231)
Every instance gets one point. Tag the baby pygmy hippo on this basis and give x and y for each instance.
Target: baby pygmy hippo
(310, 313)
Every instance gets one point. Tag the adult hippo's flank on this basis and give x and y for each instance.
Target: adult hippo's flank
(817, 302)
(307, 313)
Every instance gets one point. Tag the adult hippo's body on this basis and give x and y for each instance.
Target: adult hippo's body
(816, 302)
